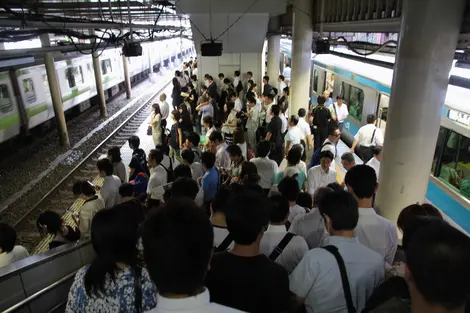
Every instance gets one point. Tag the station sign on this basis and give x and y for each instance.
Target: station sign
(459, 117)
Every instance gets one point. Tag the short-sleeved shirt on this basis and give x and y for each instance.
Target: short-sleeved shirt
(317, 277)
(164, 109)
(274, 127)
(339, 112)
(110, 191)
(207, 110)
(251, 284)
(301, 178)
(267, 170)
(311, 227)
(284, 121)
(220, 233)
(18, 253)
(369, 135)
(222, 159)
(174, 136)
(294, 135)
(321, 115)
(197, 170)
(304, 127)
(317, 177)
(375, 164)
(294, 211)
(158, 178)
(210, 184)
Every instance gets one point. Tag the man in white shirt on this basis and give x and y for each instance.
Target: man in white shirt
(252, 122)
(196, 168)
(282, 84)
(284, 121)
(110, 188)
(164, 107)
(348, 161)
(367, 137)
(267, 88)
(289, 255)
(206, 108)
(317, 282)
(238, 103)
(330, 143)
(289, 189)
(222, 159)
(268, 104)
(180, 78)
(158, 175)
(9, 253)
(339, 111)
(267, 168)
(328, 101)
(294, 135)
(179, 273)
(373, 231)
(311, 225)
(286, 72)
(305, 127)
(375, 161)
(321, 175)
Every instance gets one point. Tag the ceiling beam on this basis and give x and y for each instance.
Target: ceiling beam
(72, 5)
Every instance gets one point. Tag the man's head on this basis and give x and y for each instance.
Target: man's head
(294, 156)
(247, 216)
(268, 97)
(304, 199)
(7, 238)
(326, 94)
(236, 73)
(155, 157)
(340, 211)
(187, 156)
(249, 75)
(162, 97)
(281, 78)
(302, 112)
(293, 120)
(377, 152)
(326, 157)
(178, 243)
(193, 140)
(207, 122)
(339, 100)
(280, 210)
(319, 194)
(251, 101)
(182, 170)
(437, 271)
(275, 110)
(348, 161)
(134, 142)
(105, 167)
(265, 79)
(126, 190)
(184, 186)
(264, 147)
(371, 119)
(415, 211)
(221, 76)
(289, 188)
(321, 100)
(216, 137)
(208, 160)
(235, 153)
(334, 134)
(361, 181)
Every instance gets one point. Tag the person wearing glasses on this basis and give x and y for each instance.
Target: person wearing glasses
(331, 141)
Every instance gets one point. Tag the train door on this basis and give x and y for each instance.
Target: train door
(382, 110)
(318, 83)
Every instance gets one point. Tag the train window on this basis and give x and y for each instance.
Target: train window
(28, 89)
(6, 104)
(452, 160)
(106, 66)
(315, 80)
(354, 99)
(74, 76)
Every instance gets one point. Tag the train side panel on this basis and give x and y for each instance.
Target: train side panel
(9, 115)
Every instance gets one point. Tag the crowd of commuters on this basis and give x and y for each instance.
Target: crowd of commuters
(246, 225)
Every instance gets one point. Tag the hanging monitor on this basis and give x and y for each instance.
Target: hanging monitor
(211, 49)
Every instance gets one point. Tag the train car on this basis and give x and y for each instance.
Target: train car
(76, 80)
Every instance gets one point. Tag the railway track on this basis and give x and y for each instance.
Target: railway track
(60, 198)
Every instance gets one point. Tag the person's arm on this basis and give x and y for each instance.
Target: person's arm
(268, 136)
(309, 142)
(354, 145)
(180, 137)
(288, 144)
(302, 281)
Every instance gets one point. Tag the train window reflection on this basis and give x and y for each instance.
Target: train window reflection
(354, 99)
(315, 80)
(28, 89)
(6, 104)
(74, 76)
(106, 66)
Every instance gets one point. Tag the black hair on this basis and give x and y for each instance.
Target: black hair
(216, 136)
(334, 186)
(221, 75)
(105, 165)
(83, 187)
(249, 73)
(370, 118)
(208, 159)
(188, 156)
(182, 170)
(115, 154)
(302, 112)
(237, 73)
(269, 95)
(326, 154)
(341, 207)
(176, 114)
(165, 149)
(247, 216)
(289, 188)
(134, 142)
(114, 235)
(249, 173)
(321, 100)
(234, 150)
(251, 82)
(414, 211)
(178, 241)
(376, 151)
(319, 194)
(332, 128)
(210, 77)
(304, 199)
(238, 135)
(126, 190)
(190, 85)
(282, 77)
(219, 204)
(208, 120)
(193, 77)
(293, 156)
(266, 78)
(184, 187)
(232, 94)
(348, 157)
(177, 73)
(363, 181)
(194, 138)
(275, 109)
(279, 210)
(206, 76)
(250, 98)
(294, 119)
(7, 237)
(339, 97)
(230, 105)
(156, 154)
(286, 90)
(438, 258)
(51, 220)
(227, 81)
(264, 147)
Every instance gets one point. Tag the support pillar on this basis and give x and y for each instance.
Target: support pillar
(274, 58)
(301, 55)
(56, 99)
(127, 77)
(428, 37)
(99, 84)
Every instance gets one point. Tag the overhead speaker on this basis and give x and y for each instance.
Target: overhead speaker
(211, 49)
(132, 49)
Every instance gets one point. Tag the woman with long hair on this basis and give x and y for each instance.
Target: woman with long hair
(175, 94)
(230, 124)
(283, 100)
(119, 169)
(115, 281)
(185, 117)
(249, 174)
(51, 223)
(156, 123)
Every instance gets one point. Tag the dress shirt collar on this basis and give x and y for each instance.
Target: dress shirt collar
(334, 240)
(367, 211)
(277, 229)
(184, 304)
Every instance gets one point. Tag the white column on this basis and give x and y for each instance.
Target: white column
(99, 84)
(274, 57)
(301, 55)
(428, 38)
(127, 77)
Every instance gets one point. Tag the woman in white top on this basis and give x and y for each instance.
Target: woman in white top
(230, 122)
(155, 122)
(9, 253)
(86, 192)
(119, 169)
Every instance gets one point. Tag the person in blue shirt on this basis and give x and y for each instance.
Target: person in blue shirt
(210, 181)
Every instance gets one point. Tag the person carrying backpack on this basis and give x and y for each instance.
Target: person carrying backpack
(328, 145)
(321, 116)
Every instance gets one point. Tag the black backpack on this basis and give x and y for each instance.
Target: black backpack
(239, 87)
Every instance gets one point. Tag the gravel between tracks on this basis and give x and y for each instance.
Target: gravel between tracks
(19, 169)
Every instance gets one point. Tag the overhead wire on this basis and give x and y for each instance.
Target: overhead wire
(388, 43)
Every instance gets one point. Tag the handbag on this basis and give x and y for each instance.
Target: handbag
(149, 131)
